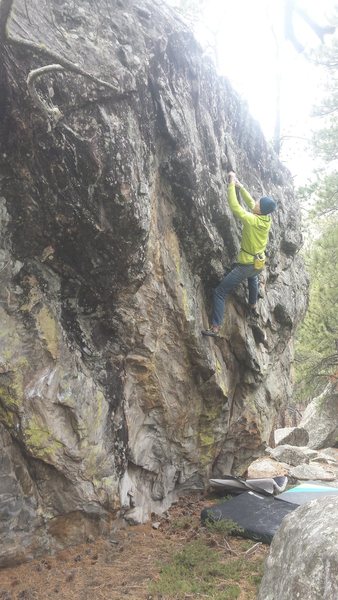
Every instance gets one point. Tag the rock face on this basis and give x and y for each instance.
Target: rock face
(320, 419)
(303, 559)
(114, 229)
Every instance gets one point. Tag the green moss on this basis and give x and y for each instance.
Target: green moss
(48, 330)
(218, 366)
(41, 441)
(92, 458)
(207, 446)
(100, 399)
(90, 424)
(175, 254)
(185, 302)
(211, 414)
(7, 354)
(12, 386)
(206, 440)
(219, 378)
(7, 417)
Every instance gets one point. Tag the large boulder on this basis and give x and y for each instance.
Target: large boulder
(266, 467)
(320, 419)
(303, 559)
(312, 472)
(292, 455)
(114, 228)
(294, 436)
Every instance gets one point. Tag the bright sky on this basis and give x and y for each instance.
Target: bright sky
(244, 33)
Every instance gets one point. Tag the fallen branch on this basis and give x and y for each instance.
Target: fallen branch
(253, 549)
(228, 547)
(53, 114)
(64, 62)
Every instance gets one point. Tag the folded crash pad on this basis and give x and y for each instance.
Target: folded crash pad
(237, 485)
(258, 516)
(305, 492)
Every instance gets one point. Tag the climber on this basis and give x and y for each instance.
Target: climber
(251, 258)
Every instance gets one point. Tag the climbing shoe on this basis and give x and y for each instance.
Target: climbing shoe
(211, 333)
(253, 313)
(259, 335)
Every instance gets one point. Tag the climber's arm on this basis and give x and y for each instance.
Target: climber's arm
(248, 199)
(236, 208)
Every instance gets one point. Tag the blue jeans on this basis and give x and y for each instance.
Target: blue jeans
(228, 283)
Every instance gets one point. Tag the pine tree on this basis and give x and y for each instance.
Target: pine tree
(317, 343)
(317, 340)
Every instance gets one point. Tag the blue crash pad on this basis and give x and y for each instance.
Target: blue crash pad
(305, 492)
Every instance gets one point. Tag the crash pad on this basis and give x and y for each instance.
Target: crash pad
(305, 492)
(238, 485)
(258, 516)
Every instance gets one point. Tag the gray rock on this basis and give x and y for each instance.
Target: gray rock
(295, 436)
(303, 559)
(292, 455)
(311, 454)
(312, 471)
(329, 460)
(321, 457)
(111, 400)
(330, 452)
(320, 419)
(266, 467)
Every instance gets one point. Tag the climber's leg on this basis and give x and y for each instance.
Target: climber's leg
(253, 293)
(253, 290)
(228, 283)
(253, 283)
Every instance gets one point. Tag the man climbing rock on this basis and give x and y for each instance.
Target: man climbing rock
(251, 258)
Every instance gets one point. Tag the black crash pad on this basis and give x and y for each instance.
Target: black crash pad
(258, 516)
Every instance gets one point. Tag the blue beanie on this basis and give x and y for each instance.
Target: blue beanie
(267, 205)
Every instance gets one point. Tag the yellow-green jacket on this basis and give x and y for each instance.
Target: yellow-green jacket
(255, 227)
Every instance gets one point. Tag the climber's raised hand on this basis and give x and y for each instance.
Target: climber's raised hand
(233, 179)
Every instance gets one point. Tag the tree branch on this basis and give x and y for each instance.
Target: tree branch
(288, 25)
(289, 10)
(52, 114)
(5, 11)
(319, 30)
(64, 62)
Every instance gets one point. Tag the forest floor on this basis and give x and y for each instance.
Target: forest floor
(172, 558)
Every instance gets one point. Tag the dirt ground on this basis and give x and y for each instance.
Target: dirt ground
(121, 567)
